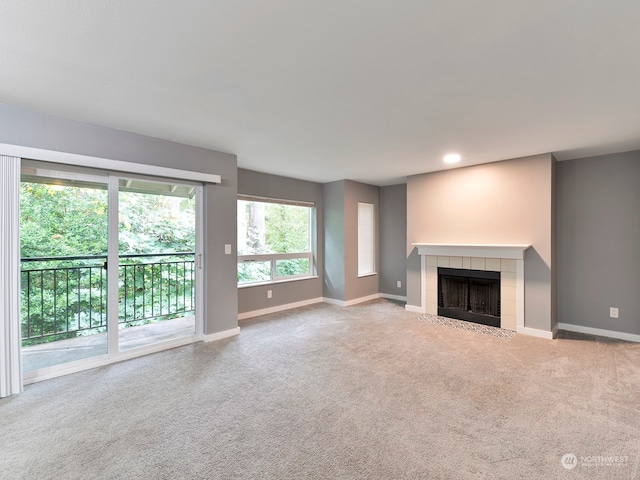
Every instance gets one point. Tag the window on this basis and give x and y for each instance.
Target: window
(274, 239)
(366, 239)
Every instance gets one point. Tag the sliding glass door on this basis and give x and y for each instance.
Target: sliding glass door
(63, 244)
(157, 254)
(108, 265)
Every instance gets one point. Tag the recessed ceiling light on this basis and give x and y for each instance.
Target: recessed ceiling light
(452, 158)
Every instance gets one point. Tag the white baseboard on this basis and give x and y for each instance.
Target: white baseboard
(278, 308)
(399, 298)
(356, 301)
(631, 337)
(348, 303)
(212, 337)
(415, 309)
(303, 303)
(333, 301)
(534, 332)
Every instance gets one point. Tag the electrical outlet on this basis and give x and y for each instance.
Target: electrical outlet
(613, 312)
(227, 249)
(399, 284)
(269, 293)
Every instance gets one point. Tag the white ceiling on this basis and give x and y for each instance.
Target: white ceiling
(369, 90)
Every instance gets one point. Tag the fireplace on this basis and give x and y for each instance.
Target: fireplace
(505, 259)
(470, 295)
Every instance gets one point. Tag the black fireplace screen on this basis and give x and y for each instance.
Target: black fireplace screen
(455, 292)
(471, 295)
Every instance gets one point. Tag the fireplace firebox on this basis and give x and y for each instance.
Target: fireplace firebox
(470, 295)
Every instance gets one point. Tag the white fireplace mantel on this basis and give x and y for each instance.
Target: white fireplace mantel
(512, 251)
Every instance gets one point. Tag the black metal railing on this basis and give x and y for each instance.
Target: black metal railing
(61, 299)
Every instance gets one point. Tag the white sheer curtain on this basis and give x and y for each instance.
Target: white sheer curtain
(10, 369)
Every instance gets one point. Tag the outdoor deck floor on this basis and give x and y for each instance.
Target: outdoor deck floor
(64, 351)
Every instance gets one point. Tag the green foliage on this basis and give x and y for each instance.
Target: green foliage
(164, 289)
(287, 228)
(254, 272)
(60, 221)
(62, 299)
(57, 303)
(293, 266)
(156, 223)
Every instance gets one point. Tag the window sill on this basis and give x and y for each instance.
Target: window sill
(273, 282)
(367, 274)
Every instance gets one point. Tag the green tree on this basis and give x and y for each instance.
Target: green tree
(287, 228)
(156, 223)
(63, 298)
(59, 221)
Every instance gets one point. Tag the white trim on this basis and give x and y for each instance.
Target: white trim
(534, 332)
(415, 309)
(200, 252)
(370, 274)
(113, 262)
(102, 360)
(105, 163)
(278, 308)
(520, 293)
(333, 301)
(348, 303)
(212, 337)
(631, 337)
(400, 298)
(423, 283)
(356, 301)
(512, 251)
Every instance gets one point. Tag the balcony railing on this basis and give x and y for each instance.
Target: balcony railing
(62, 299)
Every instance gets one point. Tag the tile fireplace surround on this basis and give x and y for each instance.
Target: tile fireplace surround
(506, 259)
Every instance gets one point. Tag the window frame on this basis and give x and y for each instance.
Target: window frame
(369, 236)
(273, 258)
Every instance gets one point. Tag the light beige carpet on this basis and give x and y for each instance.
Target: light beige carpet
(323, 392)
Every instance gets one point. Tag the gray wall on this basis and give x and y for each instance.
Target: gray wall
(358, 287)
(252, 298)
(334, 241)
(26, 128)
(599, 241)
(393, 239)
(502, 202)
(341, 281)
